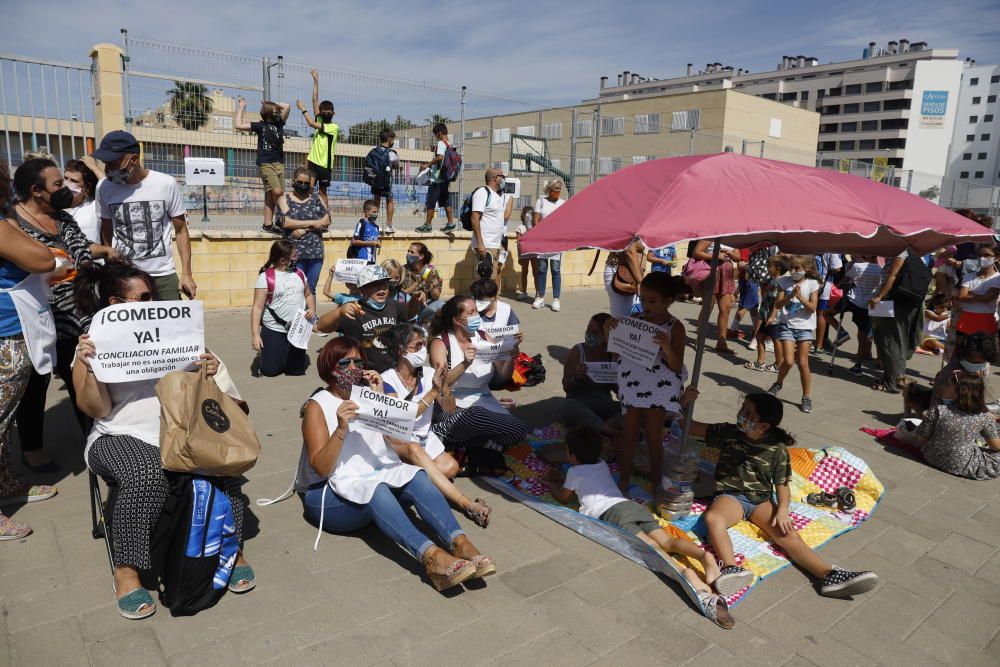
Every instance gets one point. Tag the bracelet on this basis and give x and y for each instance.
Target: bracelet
(424, 401)
(305, 111)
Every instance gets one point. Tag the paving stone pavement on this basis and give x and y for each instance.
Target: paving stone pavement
(559, 598)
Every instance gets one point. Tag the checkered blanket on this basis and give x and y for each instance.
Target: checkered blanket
(813, 470)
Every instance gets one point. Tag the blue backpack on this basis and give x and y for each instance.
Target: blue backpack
(465, 213)
(378, 168)
(194, 544)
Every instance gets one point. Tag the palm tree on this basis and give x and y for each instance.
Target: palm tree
(437, 118)
(190, 104)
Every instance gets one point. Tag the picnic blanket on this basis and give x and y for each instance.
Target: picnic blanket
(813, 470)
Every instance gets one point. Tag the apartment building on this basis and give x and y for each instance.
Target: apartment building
(975, 145)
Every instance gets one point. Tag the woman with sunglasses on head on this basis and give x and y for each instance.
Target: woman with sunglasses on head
(43, 197)
(123, 446)
(349, 478)
(303, 218)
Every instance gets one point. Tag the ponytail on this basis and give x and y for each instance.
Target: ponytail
(95, 284)
(442, 321)
(280, 250)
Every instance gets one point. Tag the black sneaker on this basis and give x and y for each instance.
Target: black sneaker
(733, 580)
(856, 369)
(844, 584)
(271, 229)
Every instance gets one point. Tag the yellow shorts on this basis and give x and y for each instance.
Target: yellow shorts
(273, 175)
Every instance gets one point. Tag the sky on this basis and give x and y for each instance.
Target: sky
(538, 51)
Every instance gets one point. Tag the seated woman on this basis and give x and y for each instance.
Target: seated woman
(425, 280)
(411, 378)
(479, 420)
(123, 446)
(949, 433)
(590, 403)
(280, 292)
(350, 478)
(495, 313)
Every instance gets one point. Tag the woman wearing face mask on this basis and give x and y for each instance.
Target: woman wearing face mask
(589, 403)
(526, 261)
(425, 281)
(81, 177)
(480, 420)
(349, 478)
(280, 292)
(303, 218)
(978, 296)
(411, 378)
(41, 213)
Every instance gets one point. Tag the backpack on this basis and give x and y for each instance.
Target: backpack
(451, 164)
(269, 277)
(377, 168)
(912, 282)
(194, 544)
(757, 264)
(465, 214)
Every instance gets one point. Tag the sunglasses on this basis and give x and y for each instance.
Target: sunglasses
(142, 296)
(357, 362)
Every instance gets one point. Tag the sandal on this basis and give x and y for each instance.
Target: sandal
(244, 578)
(137, 605)
(479, 512)
(821, 499)
(881, 386)
(485, 566)
(459, 571)
(12, 530)
(716, 610)
(770, 368)
(846, 501)
(754, 366)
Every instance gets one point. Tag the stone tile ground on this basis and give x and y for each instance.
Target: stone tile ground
(559, 599)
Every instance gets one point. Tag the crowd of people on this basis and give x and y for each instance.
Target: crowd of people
(102, 231)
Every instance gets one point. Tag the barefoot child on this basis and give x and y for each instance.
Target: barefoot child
(754, 464)
(936, 318)
(794, 314)
(649, 395)
(769, 291)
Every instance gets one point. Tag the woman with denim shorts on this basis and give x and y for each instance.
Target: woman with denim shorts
(794, 313)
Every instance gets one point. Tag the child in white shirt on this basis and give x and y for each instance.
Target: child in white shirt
(936, 318)
(795, 314)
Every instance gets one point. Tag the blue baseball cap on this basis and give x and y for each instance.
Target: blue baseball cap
(114, 145)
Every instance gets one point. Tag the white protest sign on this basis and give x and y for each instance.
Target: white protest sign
(508, 331)
(146, 340)
(602, 372)
(346, 270)
(490, 352)
(633, 340)
(300, 329)
(383, 414)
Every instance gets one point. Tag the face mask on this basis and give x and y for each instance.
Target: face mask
(326, 116)
(744, 424)
(797, 275)
(61, 198)
(947, 401)
(375, 305)
(482, 305)
(417, 359)
(973, 368)
(592, 339)
(986, 262)
(347, 378)
(73, 187)
(301, 188)
(500, 184)
(473, 322)
(120, 176)
(412, 259)
(373, 217)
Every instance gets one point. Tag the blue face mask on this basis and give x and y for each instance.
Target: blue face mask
(375, 305)
(744, 424)
(592, 339)
(473, 322)
(973, 368)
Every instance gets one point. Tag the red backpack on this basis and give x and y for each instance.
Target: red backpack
(451, 164)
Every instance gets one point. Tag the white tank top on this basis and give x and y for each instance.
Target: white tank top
(473, 386)
(500, 318)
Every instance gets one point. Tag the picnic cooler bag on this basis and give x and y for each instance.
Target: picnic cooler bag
(202, 429)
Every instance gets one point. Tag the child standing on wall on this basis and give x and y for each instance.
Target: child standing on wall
(365, 243)
(324, 144)
(437, 193)
(380, 162)
(270, 131)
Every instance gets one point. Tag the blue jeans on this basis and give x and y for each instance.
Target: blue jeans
(312, 269)
(386, 510)
(542, 268)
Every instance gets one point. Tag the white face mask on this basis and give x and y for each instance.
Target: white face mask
(797, 275)
(417, 359)
(73, 187)
(986, 262)
(482, 305)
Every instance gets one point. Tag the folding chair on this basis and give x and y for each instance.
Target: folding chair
(100, 509)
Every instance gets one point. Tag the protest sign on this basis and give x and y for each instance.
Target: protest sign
(602, 372)
(146, 340)
(300, 330)
(346, 270)
(387, 415)
(498, 332)
(633, 340)
(490, 352)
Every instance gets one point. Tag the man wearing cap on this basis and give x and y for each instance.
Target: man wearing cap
(369, 317)
(490, 210)
(141, 211)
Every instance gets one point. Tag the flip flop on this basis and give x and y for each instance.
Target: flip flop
(716, 610)
(244, 578)
(137, 605)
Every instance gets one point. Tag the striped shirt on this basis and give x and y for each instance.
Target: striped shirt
(866, 278)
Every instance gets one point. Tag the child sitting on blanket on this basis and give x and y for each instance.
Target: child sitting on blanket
(590, 479)
(753, 463)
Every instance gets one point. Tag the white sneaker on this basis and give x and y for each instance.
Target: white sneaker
(753, 345)
(555, 305)
(538, 303)
(769, 345)
(389, 230)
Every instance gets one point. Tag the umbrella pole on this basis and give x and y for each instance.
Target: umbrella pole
(678, 496)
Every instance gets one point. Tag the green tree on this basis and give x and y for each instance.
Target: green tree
(367, 131)
(932, 192)
(437, 118)
(190, 104)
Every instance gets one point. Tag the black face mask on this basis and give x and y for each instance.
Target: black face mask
(61, 199)
(327, 117)
(301, 188)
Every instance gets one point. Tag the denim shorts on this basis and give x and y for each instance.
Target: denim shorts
(784, 332)
(748, 507)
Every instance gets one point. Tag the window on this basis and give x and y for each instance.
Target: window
(608, 165)
(612, 126)
(831, 110)
(639, 159)
(872, 106)
(821, 93)
(980, 156)
(977, 100)
(966, 156)
(528, 130)
(973, 119)
(995, 78)
(502, 166)
(892, 143)
(789, 97)
(905, 84)
(581, 165)
(501, 135)
(873, 87)
(413, 143)
(869, 125)
(848, 127)
(475, 134)
(895, 124)
(223, 122)
(847, 145)
(827, 128)
(866, 145)
(584, 128)
(852, 108)
(804, 95)
(988, 118)
(474, 166)
(895, 105)
(970, 137)
(834, 92)
(978, 174)
(685, 120)
(557, 163)
(769, 96)
(963, 174)
(647, 123)
(826, 146)
(853, 89)
(552, 131)
(985, 136)
(974, 81)
(990, 99)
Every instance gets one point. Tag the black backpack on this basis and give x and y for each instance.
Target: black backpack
(378, 168)
(194, 544)
(465, 214)
(912, 283)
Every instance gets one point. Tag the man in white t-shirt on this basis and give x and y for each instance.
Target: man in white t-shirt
(141, 210)
(490, 210)
(437, 191)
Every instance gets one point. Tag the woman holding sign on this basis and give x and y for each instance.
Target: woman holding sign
(280, 293)
(123, 446)
(350, 477)
(587, 381)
